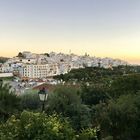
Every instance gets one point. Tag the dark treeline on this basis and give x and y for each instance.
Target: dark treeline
(96, 74)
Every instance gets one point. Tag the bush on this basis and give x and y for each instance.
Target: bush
(120, 118)
(9, 102)
(88, 134)
(67, 102)
(108, 138)
(36, 126)
(30, 100)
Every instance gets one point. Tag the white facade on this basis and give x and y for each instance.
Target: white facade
(6, 74)
(6, 68)
(27, 61)
(39, 71)
(46, 70)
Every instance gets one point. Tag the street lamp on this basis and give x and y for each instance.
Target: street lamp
(43, 97)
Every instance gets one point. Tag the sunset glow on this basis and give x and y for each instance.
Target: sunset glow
(102, 28)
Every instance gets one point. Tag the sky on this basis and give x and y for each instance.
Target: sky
(102, 28)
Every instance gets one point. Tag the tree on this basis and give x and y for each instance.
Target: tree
(88, 134)
(120, 118)
(125, 84)
(47, 54)
(36, 126)
(30, 100)
(39, 126)
(3, 59)
(66, 101)
(9, 102)
(20, 55)
(92, 95)
(62, 98)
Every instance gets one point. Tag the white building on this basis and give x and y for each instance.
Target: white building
(39, 70)
(6, 68)
(6, 75)
(27, 61)
(42, 66)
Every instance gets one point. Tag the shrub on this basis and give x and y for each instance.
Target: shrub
(36, 126)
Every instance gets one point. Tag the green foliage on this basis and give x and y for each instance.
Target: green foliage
(20, 55)
(65, 100)
(62, 98)
(30, 100)
(36, 126)
(3, 59)
(92, 95)
(96, 74)
(108, 98)
(7, 78)
(108, 138)
(9, 102)
(125, 84)
(120, 118)
(47, 54)
(88, 134)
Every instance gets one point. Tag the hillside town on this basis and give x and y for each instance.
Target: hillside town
(34, 66)
(30, 70)
(69, 70)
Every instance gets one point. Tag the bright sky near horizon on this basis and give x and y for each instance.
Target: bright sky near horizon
(105, 28)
